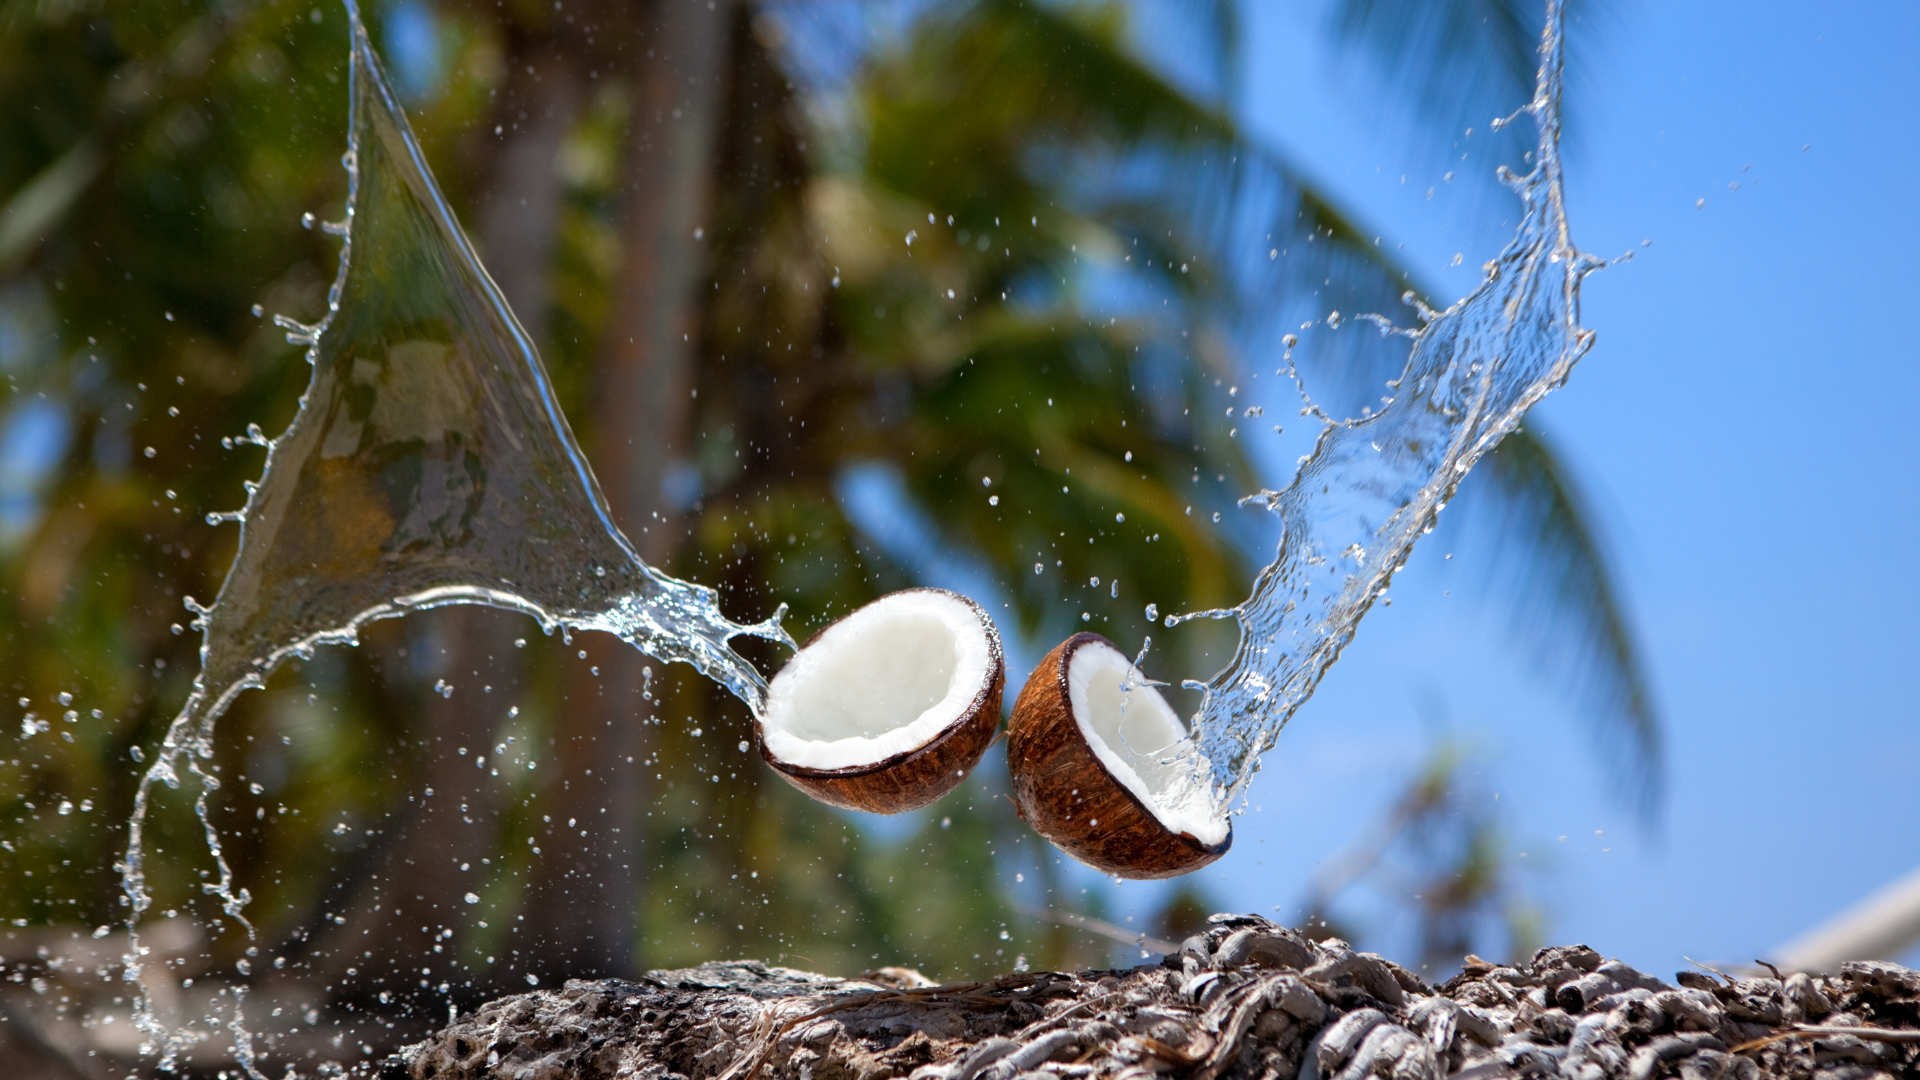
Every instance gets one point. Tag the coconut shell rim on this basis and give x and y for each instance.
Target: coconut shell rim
(1067, 649)
(994, 688)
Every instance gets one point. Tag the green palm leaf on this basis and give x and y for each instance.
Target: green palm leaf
(1566, 604)
(1173, 187)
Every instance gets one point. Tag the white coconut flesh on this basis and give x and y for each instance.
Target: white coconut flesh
(883, 681)
(1131, 729)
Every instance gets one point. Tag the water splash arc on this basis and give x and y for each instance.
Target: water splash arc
(428, 464)
(1374, 485)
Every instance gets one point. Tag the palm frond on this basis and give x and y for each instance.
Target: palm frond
(1447, 51)
(994, 110)
(1551, 560)
(1196, 46)
(1459, 63)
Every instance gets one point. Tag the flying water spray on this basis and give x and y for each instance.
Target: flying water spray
(1374, 485)
(1134, 796)
(429, 464)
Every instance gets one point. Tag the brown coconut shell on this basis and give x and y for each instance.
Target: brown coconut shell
(915, 778)
(1061, 788)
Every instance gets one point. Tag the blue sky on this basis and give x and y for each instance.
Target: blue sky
(1740, 426)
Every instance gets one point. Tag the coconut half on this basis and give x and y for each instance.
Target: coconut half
(889, 708)
(1087, 771)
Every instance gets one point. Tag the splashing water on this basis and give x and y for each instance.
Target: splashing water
(1375, 485)
(428, 465)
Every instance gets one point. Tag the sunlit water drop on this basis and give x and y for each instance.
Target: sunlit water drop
(1374, 485)
(429, 464)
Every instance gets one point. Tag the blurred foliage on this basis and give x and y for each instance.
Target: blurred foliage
(932, 283)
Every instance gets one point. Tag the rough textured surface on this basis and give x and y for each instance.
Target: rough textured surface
(1246, 999)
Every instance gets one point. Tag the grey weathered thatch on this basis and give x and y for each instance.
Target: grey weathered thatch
(1246, 999)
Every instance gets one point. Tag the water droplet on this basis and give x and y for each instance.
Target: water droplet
(1510, 341)
(993, 500)
(419, 371)
(1120, 517)
(1153, 612)
(1039, 568)
(745, 746)
(471, 898)
(66, 807)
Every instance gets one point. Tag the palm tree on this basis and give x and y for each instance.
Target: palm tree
(857, 334)
(1053, 186)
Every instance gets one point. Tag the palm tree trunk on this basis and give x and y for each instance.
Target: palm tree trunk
(585, 891)
(521, 219)
(416, 877)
